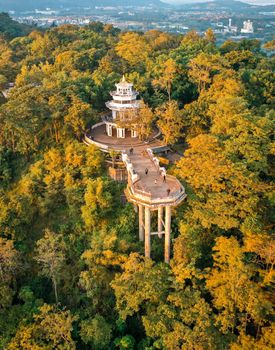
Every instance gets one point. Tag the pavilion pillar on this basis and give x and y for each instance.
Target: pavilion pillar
(167, 234)
(141, 222)
(109, 128)
(147, 232)
(160, 226)
(133, 133)
(120, 133)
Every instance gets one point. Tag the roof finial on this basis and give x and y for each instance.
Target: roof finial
(123, 79)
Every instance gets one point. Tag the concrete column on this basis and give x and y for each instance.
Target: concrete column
(141, 222)
(147, 232)
(133, 133)
(160, 214)
(109, 130)
(120, 133)
(167, 234)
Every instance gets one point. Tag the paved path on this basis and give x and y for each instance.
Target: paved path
(141, 160)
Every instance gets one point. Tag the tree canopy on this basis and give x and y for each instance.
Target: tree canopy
(72, 272)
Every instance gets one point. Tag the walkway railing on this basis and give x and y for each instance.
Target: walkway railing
(89, 141)
(133, 176)
(155, 160)
(144, 194)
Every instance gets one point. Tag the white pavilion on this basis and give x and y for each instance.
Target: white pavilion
(124, 107)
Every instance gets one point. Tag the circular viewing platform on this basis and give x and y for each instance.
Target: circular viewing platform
(152, 188)
(97, 135)
(132, 94)
(118, 105)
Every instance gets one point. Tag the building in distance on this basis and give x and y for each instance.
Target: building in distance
(230, 28)
(247, 27)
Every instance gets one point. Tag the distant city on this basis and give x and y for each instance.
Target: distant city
(228, 19)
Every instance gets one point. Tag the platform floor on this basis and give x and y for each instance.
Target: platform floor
(153, 182)
(99, 135)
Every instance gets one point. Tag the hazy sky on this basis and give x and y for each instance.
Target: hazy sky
(258, 2)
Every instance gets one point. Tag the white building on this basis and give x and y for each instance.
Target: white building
(247, 27)
(230, 28)
(124, 107)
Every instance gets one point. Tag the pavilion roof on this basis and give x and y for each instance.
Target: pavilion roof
(124, 83)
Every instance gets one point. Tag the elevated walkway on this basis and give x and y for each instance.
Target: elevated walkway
(150, 191)
(149, 187)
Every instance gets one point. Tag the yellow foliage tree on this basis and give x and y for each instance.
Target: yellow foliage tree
(203, 68)
(133, 48)
(236, 296)
(77, 116)
(226, 193)
(51, 329)
(97, 199)
(170, 121)
(166, 73)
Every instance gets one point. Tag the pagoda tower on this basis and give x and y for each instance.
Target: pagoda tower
(124, 107)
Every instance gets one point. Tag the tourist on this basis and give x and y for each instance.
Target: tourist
(168, 191)
(156, 181)
(146, 171)
(164, 178)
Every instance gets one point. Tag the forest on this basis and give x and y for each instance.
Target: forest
(72, 271)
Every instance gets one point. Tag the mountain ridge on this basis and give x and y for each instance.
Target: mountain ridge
(234, 5)
(29, 4)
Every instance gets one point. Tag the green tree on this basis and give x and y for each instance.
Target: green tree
(96, 332)
(174, 315)
(9, 265)
(51, 329)
(50, 255)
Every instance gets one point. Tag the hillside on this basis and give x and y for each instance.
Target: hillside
(232, 5)
(18, 5)
(11, 29)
